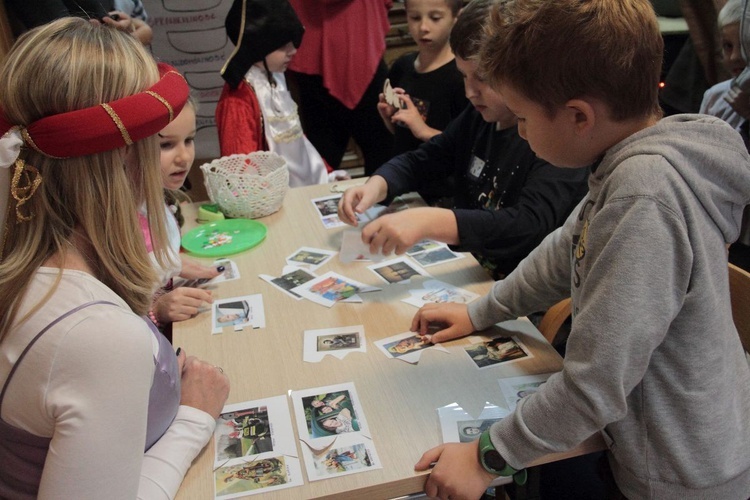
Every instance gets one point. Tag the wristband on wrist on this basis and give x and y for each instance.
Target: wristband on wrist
(494, 463)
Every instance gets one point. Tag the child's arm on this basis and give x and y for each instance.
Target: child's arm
(238, 121)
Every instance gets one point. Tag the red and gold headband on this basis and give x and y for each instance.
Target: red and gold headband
(107, 126)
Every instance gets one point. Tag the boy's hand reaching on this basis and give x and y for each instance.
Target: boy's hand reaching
(357, 199)
(454, 318)
(457, 473)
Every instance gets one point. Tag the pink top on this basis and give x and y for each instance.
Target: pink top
(344, 42)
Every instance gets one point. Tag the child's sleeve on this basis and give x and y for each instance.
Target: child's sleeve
(239, 121)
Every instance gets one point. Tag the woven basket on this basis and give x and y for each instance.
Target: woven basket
(247, 186)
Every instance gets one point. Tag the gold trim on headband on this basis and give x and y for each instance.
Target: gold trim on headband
(28, 140)
(121, 126)
(163, 101)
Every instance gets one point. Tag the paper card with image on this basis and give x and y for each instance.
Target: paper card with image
(458, 426)
(334, 341)
(309, 258)
(238, 312)
(332, 426)
(515, 389)
(255, 450)
(327, 209)
(486, 353)
(353, 249)
(399, 270)
(329, 288)
(438, 292)
(407, 346)
(292, 277)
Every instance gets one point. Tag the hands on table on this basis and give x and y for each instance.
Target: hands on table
(204, 386)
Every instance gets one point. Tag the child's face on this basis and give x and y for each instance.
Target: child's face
(279, 59)
(552, 139)
(430, 23)
(730, 48)
(488, 102)
(177, 143)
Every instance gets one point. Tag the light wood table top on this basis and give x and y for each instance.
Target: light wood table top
(398, 399)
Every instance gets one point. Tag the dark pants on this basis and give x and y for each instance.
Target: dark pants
(328, 124)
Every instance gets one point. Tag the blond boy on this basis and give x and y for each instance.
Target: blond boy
(653, 361)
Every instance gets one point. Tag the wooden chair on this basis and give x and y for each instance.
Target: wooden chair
(554, 318)
(739, 290)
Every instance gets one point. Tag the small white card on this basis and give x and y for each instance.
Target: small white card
(337, 342)
(238, 312)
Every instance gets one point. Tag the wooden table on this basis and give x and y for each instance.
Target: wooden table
(399, 399)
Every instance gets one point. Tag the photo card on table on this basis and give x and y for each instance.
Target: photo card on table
(310, 258)
(398, 270)
(337, 342)
(515, 389)
(458, 426)
(329, 288)
(238, 312)
(490, 352)
(407, 346)
(438, 292)
(335, 437)
(255, 450)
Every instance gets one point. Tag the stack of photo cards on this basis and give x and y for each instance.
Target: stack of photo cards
(309, 258)
(430, 253)
(407, 346)
(337, 342)
(335, 435)
(438, 292)
(330, 288)
(490, 352)
(460, 427)
(515, 389)
(238, 312)
(399, 270)
(255, 449)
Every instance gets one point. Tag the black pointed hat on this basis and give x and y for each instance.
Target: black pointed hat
(257, 28)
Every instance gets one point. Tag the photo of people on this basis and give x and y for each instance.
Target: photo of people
(329, 414)
(405, 346)
(496, 351)
(397, 270)
(232, 313)
(249, 476)
(469, 430)
(337, 342)
(341, 460)
(243, 432)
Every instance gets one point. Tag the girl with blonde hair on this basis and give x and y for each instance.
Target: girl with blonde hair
(77, 157)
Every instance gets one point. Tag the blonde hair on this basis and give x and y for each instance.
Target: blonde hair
(554, 51)
(95, 198)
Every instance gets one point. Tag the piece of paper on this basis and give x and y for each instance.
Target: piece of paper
(335, 437)
(458, 426)
(329, 288)
(337, 342)
(438, 292)
(309, 258)
(255, 450)
(407, 346)
(487, 353)
(238, 312)
(516, 388)
(399, 270)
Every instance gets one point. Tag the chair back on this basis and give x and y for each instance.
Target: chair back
(554, 318)
(739, 290)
